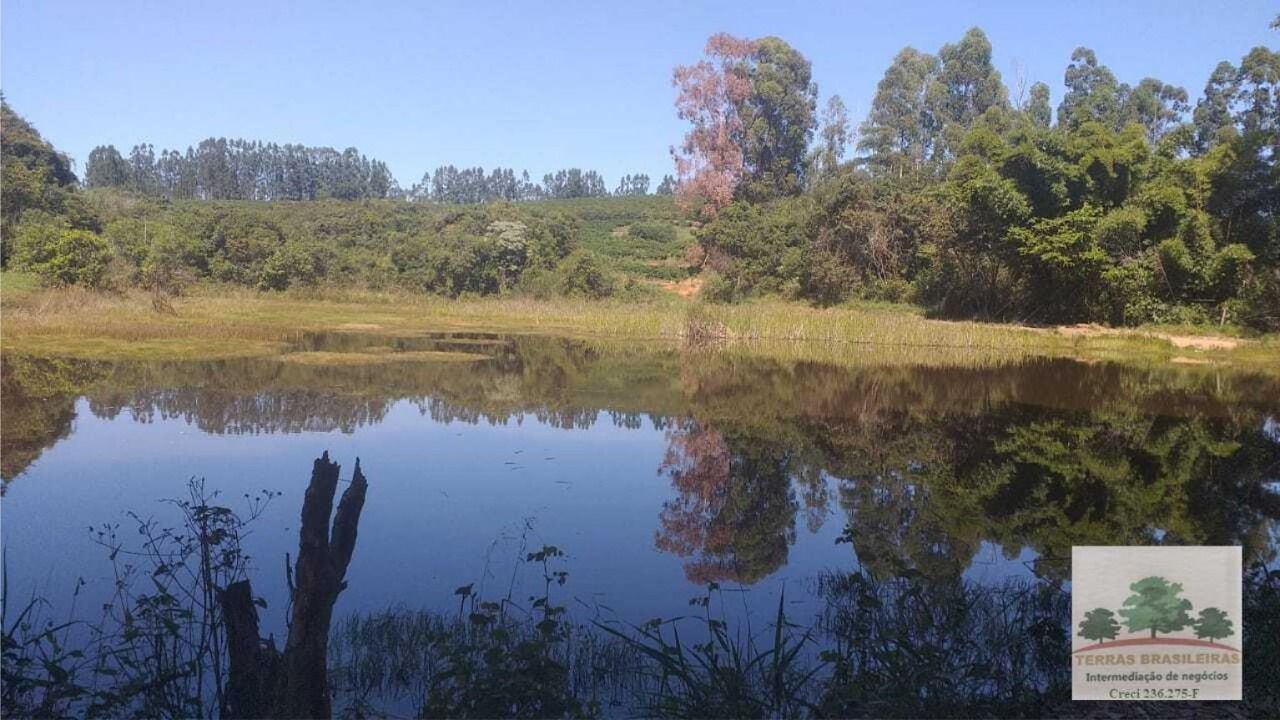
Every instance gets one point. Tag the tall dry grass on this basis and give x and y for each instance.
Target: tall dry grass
(212, 321)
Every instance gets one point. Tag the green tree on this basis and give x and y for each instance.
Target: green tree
(970, 268)
(1213, 624)
(1099, 624)
(580, 274)
(900, 131)
(1060, 265)
(835, 137)
(1037, 108)
(106, 168)
(34, 176)
(1156, 106)
(778, 120)
(1093, 94)
(1155, 606)
(966, 86)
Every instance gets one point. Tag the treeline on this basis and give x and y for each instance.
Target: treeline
(221, 169)
(1129, 206)
(114, 239)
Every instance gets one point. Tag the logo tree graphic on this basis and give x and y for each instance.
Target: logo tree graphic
(1213, 624)
(1099, 624)
(1155, 606)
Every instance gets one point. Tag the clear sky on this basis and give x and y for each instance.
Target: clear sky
(530, 85)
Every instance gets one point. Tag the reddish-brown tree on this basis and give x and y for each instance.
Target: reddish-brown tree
(710, 160)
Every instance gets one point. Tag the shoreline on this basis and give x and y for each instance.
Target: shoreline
(212, 322)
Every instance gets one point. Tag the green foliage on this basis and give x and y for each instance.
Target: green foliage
(293, 263)
(1099, 624)
(36, 177)
(758, 248)
(1259, 302)
(494, 670)
(60, 255)
(723, 676)
(1118, 213)
(580, 274)
(778, 120)
(1156, 606)
(717, 288)
(1213, 624)
(1060, 265)
(656, 232)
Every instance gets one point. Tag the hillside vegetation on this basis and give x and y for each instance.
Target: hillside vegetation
(1125, 207)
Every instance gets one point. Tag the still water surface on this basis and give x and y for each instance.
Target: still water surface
(657, 470)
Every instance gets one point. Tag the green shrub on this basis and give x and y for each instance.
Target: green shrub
(825, 278)
(1180, 314)
(1259, 304)
(293, 263)
(658, 232)
(891, 290)
(580, 274)
(1130, 295)
(60, 255)
(717, 288)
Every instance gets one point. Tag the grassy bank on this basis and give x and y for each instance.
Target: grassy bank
(221, 321)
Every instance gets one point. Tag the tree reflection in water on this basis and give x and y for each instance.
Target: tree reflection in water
(735, 511)
(923, 466)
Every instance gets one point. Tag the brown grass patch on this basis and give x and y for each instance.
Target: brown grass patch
(358, 326)
(1202, 342)
(684, 288)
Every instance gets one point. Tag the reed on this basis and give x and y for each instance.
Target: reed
(220, 321)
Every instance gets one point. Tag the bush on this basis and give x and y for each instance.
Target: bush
(1130, 293)
(1259, 304)
(891, 290)
(60, 255)
(717, 288)
(580, 274)
(760, 249)
(657, 232)
(826, 279)
(293, 263)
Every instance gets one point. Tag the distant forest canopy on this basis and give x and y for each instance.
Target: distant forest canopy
(959, 192)
(221, 169)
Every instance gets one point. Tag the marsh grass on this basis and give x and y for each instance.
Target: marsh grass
(732, 673)
(220, 321)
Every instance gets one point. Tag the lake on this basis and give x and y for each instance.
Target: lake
(658, 470)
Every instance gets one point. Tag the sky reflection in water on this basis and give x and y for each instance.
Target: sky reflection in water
(657, 471)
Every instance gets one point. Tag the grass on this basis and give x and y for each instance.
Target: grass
(218, 322)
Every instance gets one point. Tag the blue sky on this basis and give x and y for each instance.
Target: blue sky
(531, 85)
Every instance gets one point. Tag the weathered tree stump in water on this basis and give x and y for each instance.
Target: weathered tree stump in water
(263, 681)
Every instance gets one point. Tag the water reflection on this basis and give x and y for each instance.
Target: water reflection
(922, 464)
(734, 468)
(735, 511)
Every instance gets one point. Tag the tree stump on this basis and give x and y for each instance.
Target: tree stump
(262, 681)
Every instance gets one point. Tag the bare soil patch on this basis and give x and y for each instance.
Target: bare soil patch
(1193, 342)
(684, 288)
